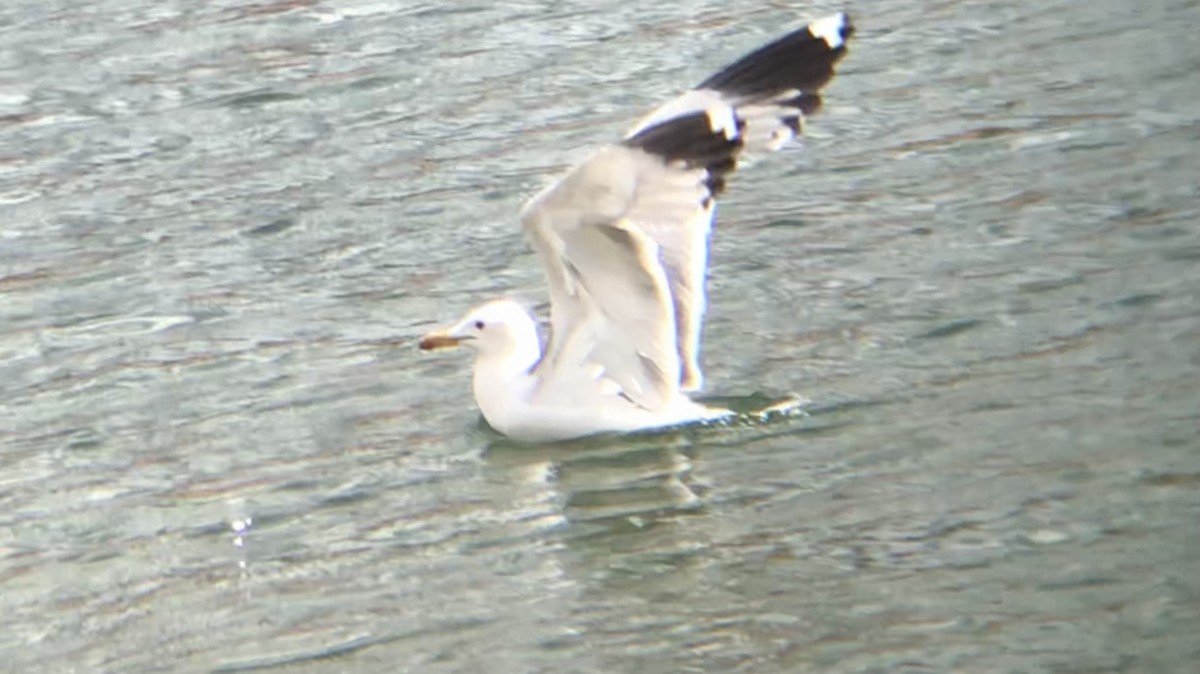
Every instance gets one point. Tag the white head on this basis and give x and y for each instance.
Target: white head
(500, 329)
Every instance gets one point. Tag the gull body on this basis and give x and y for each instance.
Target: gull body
(507, 348)
(623, 239)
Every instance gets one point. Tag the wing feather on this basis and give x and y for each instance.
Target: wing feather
(624, 236)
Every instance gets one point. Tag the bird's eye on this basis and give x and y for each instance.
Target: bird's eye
(478, 325)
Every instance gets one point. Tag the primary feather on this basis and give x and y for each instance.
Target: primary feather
(623, 239)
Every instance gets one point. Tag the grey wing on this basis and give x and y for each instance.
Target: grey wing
(758, 103)
(611, 315)
(624, 236)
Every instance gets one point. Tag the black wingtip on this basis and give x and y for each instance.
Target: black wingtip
(802, 60)
(787, 72)
(691, 139)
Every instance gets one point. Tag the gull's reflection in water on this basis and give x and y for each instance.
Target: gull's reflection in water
(605, 477)
(635, 477)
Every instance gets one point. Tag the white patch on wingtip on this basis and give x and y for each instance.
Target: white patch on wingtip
(721, 118)
(829, 29)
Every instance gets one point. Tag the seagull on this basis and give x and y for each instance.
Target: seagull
(623, 239)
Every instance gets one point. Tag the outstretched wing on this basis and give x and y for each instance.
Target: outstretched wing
(611, 314)
(764, 96)
(623, 237)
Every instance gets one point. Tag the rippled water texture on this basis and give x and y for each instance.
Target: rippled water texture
(223, 225)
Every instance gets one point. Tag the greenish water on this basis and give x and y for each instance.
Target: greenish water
(224, 225)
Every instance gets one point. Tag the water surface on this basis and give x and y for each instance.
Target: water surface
(223, 225)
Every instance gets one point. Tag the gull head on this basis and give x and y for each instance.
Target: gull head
(500, 328)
